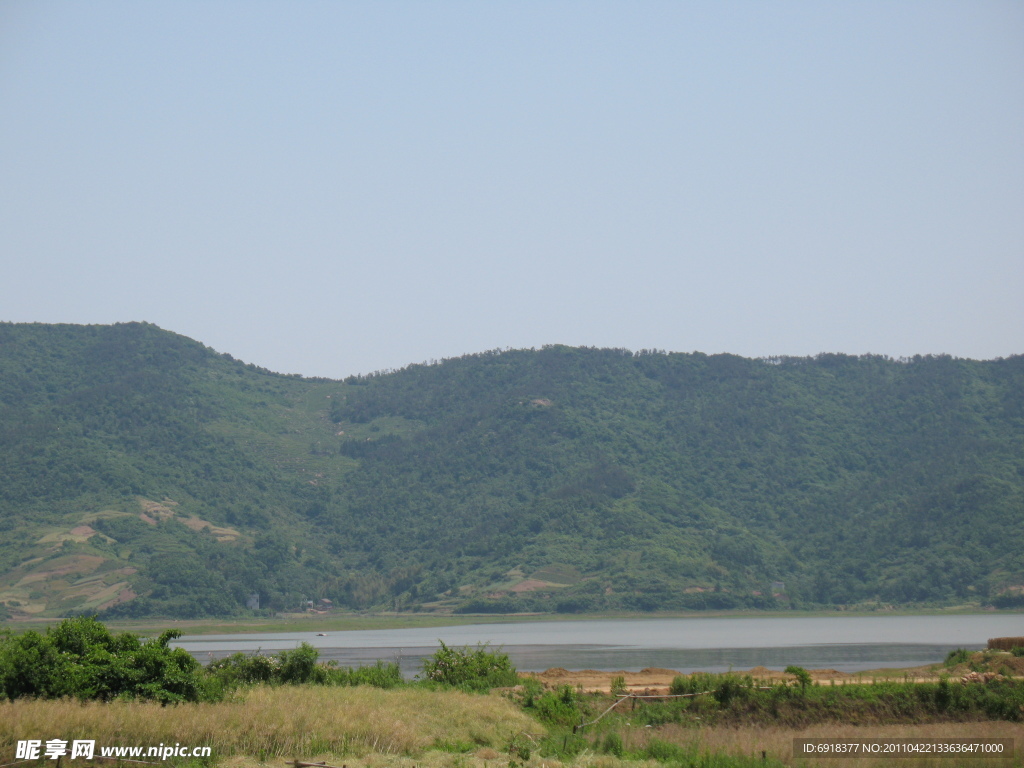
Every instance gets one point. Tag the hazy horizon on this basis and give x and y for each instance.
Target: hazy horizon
(333, 189)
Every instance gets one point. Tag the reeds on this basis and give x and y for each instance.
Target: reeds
(1005, 643)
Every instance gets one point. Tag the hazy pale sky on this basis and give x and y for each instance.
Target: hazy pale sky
(330, 188)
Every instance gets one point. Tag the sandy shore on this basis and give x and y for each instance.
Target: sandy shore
(655, 681)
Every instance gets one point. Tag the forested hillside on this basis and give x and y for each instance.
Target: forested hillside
(141, 472)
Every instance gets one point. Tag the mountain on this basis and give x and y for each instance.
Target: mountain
(143, 473)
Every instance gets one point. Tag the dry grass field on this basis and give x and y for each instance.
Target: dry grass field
(277, 723)
(415, 728)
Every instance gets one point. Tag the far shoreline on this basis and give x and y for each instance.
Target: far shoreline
(351, 621)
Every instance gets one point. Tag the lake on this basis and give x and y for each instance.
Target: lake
(848, 644)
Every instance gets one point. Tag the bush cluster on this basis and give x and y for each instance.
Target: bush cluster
(732, 698)
(80, 658)
(472, 669)
(298, 667)
(561, 707)
(957, 656)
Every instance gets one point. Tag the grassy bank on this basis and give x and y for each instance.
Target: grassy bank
(370, 728)
(281, 722)
(707, 712)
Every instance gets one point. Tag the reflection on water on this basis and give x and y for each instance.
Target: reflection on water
(848, 644)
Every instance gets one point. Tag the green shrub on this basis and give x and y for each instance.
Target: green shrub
(1017, 650)
(80, 658)
(380, 675)
(519, 748)
(943, 695)
(563, 745)
(698, 682)
(532, 690)
(665, 751)
(803, 677)
(241, 669)
(618, 686)
(723, 688)
(733, 687)
(476, 669)
(559, 708)
(299, 666)
(612, 745)
(957, 656)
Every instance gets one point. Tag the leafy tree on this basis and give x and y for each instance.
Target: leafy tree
(81, 658)
(803, 677)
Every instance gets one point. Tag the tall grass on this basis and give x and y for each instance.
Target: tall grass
(291, 721)
(402, 728)
(704, 727)
(740, 699)
(1005, 643)
(776, 742)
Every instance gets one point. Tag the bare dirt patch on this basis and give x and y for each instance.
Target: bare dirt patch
(158, 509)
(152, 511)
(655, 681)
(79, 533)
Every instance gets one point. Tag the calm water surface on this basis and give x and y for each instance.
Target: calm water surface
(849, 644)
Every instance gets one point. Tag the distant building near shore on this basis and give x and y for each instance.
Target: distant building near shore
(253, 602)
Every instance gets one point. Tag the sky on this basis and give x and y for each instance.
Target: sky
(331, 188)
